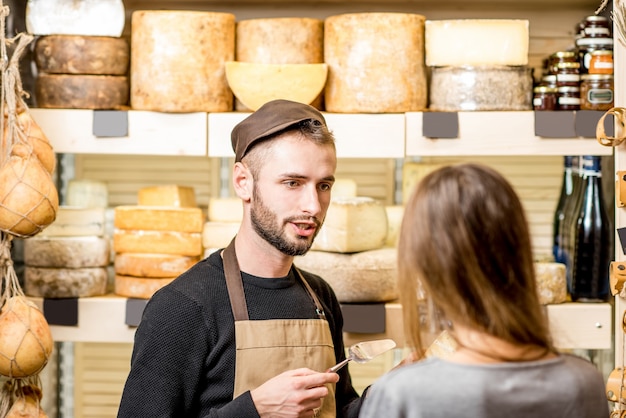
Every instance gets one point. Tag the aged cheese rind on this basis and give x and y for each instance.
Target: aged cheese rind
(73, 91)
(225, 209)
(153, 265)
(76, 221)
(87, 193)
(167, 195)
(219, 234)
(351, 225)
(157, 242)
(159, 218)
(68, 252)
(177, 60)
(367, 276)
(65, 282)
(71, 54)
(137, 287)
(551, 282)
(476, 42)
(373, 69)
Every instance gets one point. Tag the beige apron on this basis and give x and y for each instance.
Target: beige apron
(269, 347)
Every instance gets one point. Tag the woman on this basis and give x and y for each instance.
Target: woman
(465, 248)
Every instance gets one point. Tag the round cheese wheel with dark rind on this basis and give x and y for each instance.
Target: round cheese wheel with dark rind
(52, 282)
(73, 91)
(73, 54)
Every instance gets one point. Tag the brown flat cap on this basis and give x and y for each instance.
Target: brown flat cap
(269, 119)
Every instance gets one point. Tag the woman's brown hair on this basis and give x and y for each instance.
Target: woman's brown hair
(465, 247)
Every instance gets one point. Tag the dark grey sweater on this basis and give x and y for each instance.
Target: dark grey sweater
(183, 361)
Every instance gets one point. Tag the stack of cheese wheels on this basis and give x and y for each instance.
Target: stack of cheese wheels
(349, 251)
(178, 60)
(286, 40)
(156, 240)
(69, 257)
(224, 218)
(478, 64)
(375, 63)
(82, 72)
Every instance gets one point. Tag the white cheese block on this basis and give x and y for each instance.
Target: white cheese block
(153, 265)
(344, 188)
(395, 213)
(225, 209)
(72, 17)
(69, 252)
(159, 218)
(65, 282)
(219, 234)
(76, 221)
(476, 42)
(551, 282)
(367, 276)
(351, 225)
(138, 287)
(167, 195)
(157, 242)
(87, 193)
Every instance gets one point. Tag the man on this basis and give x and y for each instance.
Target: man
(244, 333)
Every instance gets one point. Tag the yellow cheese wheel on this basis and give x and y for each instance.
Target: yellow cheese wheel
(376, 63)
(159, 218)
(138, 287)
(153, 265)
(77, 91)
(159, 242)
(177, 60)
(167, 195)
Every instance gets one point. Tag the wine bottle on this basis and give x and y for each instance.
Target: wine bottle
(566, 243)
(592, 234)
(567, 185)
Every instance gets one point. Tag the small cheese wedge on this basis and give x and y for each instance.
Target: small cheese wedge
(225, 209)
(157, 242)
(395, 213)
(167, 195)
(68, 252)
(51, 282)
(87, 193)
(138, 287)
(351, 225)
(219, 234)
(76, 221)
(152, 265)
(159, 218)
(255, 84)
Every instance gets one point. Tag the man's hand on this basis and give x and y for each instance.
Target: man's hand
(294, 393)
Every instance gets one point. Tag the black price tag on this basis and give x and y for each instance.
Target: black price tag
(555, 124)
(366, 318)
(61, 311)
(110, 123)
(440, 125)
(134, 311)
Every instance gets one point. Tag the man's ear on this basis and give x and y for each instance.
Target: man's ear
(242, 181)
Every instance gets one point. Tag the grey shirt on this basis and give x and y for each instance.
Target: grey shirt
(565, 386)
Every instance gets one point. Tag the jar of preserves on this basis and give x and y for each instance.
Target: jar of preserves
(596, 27)
(544, 98)
(568, 74)
(559, 57)
(586, 46)
(596, 92)
(549, 80)
(568, 98)
(601, 62)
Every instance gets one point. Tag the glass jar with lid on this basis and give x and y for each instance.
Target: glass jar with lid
(544, 98)
(586, 46)
(596, 27)
(559, 57)
(567, 74)
(596, 92)
(568, 98)
(601, 62)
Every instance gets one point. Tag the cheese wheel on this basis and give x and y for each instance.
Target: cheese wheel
(87, 193)
(395, 213)
(376, 63)
(167, 195)
(551, 282)
(152, 265)
(76, 221)
(367, 276)
(225, 209)
(177, 60)
(344, 188)
(219, 234)
(137, 287)
(157, 242)
(73, 54)
(69, 252)
(412, 174)
(476, 42)
(65, 282)
(159, 218)
(351, 225)
(98, 92)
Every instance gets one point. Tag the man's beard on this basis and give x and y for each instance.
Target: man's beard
(265, 224)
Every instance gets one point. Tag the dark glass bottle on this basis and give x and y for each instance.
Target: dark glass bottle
(565, 256)
(592, 235)
(567, 185)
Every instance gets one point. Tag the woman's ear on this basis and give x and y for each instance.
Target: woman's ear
(242, 181)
